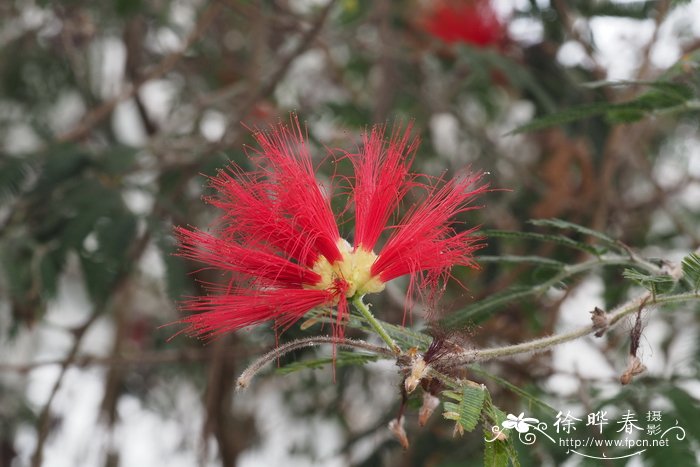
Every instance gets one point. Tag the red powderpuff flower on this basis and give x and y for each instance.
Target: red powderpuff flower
(469, 21)
(279, 240)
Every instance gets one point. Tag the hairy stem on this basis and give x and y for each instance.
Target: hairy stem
(244, 380)
(376, 325)
(545, 343)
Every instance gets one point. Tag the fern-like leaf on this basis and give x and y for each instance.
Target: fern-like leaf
(691, 270)
(466, 411)
(656, 284)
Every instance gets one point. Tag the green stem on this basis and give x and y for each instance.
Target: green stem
(376, 325)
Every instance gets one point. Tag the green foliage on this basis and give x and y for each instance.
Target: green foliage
(177, 281)
(540, 283)
(128, 7)
(565, 116)
(684, 412)
(557, 239)
(686, 409)
(664, 96)
(656, 284)
(489, 62)
(33, 75)
(104, 265)
(565, 225)
(16, 255)
(341, 359)
(513, 259)
(496, 453)
(500, 452)
(404, 336)
(678, 408)
(73, 205)
(691, 270)
(468, 406)
(639, 9)
(15, 172)
(531, 399)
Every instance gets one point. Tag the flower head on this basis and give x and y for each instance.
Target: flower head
(469, 21)
(278, 237)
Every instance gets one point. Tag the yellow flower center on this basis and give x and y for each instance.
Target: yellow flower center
(355, 269)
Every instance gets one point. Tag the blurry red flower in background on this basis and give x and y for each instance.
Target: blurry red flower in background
(469, 21)
(279, 240)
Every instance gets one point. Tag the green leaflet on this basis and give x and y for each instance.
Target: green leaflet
(656, 284)
(104, 265)
(562, 224)
(686, 409)
(691, 270)
(405, 337)
(566, 116)
(467, 409)
(513, 259)
(481, 310)
(14, 174)
(498, 453)
(519, 391)
(341, 359)
(663, 95)
(558, 239)
(518, 75)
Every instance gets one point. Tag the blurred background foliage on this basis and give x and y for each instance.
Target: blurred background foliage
(110, 112)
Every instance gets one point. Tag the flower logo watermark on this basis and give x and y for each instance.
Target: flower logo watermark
(520, 423)
(635, 438)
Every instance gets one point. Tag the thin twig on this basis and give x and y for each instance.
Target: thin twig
(161, 357)
(563, 12)
(98, 114)
(280, 72)
(662, 10)
(43, 421)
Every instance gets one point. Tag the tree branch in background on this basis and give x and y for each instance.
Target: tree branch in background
(97, 115)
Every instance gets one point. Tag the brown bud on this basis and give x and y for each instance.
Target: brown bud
(396, 427)
(600, 321)
(459, 430)
(430, 403)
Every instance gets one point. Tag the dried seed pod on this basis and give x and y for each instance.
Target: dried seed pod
(634, 367)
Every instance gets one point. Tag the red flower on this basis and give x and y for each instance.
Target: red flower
(469, 21)
(279, 239)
